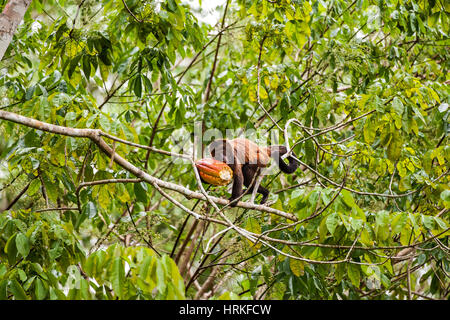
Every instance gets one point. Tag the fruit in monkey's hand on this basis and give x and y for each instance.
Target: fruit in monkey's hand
(214, 172)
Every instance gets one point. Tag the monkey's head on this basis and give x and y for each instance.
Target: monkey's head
(221, 150)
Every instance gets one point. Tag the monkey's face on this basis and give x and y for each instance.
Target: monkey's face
(221, 151)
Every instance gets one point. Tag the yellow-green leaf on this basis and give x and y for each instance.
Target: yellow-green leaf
(297, 267)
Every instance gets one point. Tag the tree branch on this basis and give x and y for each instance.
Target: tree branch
(21, 193)
(10, 18)
(208, 86)
(95, 136)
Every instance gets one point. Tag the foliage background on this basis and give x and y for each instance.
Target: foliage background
(367, 82)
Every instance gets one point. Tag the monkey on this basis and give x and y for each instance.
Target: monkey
(245, 157)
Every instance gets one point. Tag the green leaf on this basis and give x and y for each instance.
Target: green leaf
(353, 272)
(137, 86)
(44, 108)
(87, 66)
(26, 286)
(421, 258)
(118, 277)
(434, 94)
(147, 84)
(441, 223)
(382, 225)
(401, 169)
(356, 223)
(339, 273)
(90, 210)
(399, 222)
(29, 93)
(11, 249)
(428, 222)
(418, 113)
(297, 267)
(17, 290)
(3, 289)
(104, 72)
(369, 131)
(323, 229)
(105, 123)
(40, 290)
(332, 222)
(445, 195)
(160, 277)
(394, 148)
(34, 187)
(51, 188)
(141, 190)
(347, 198)
(398, 106)
(172, 5)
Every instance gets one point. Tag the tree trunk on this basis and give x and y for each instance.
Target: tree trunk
(10, 18)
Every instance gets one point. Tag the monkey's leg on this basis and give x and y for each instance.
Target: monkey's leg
(265, 194)
(248, 171)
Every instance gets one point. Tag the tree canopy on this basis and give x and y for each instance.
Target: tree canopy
(106, 104)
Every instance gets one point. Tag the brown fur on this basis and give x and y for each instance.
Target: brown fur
(244, 157)
(251, 152)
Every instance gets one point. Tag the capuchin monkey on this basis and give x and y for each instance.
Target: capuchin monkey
(245, 157)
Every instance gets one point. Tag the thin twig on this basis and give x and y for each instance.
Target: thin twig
(130, 12)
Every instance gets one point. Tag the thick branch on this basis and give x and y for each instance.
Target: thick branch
(95, 136)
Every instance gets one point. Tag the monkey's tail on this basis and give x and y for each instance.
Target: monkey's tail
(276, 152)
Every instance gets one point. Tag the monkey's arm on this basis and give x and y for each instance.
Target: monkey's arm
(237, 183)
